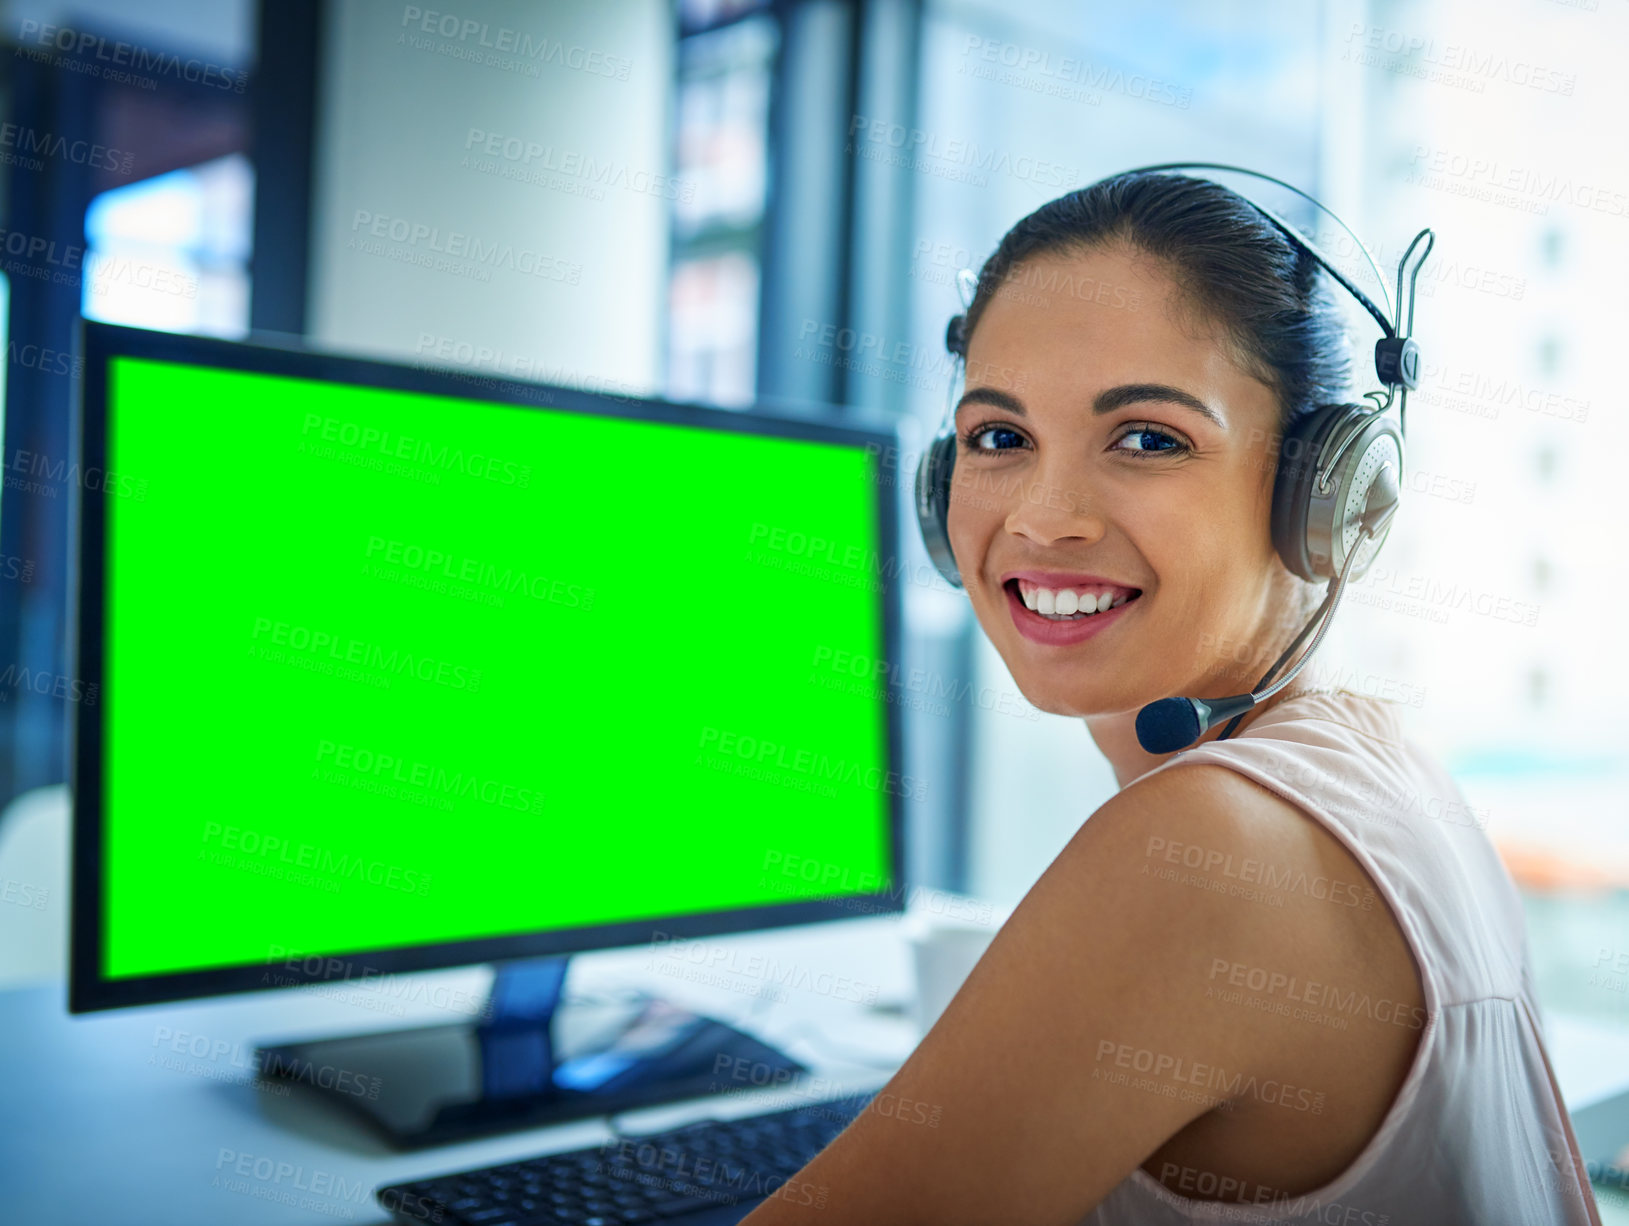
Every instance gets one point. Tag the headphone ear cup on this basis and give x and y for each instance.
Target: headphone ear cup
(1311, 527)
(1293, 494)
(933, 504)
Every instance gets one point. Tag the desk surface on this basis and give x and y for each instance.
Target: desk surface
(108, 1124)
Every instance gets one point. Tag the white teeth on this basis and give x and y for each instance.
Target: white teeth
(1068, 603)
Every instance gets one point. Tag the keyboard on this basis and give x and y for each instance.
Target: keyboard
(689, 1174)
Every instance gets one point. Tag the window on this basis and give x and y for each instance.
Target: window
(172, 252)
(722, 166)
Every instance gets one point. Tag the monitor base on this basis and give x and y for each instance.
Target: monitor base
(533, 1061)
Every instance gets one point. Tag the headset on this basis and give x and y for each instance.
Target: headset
(1338, 482)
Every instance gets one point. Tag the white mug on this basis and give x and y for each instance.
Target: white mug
(943, 953)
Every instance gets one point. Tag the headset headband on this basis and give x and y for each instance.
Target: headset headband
(1396, 356)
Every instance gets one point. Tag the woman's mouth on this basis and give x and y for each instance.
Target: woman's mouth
(1060, 617)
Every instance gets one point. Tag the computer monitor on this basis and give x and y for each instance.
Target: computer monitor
(399, 669)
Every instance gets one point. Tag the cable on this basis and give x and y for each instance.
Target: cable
(1337, 585)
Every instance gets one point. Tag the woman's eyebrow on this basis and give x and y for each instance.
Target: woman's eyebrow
(1134, 393)
(1106, 401)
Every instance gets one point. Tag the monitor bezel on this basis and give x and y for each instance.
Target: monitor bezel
(88, 990)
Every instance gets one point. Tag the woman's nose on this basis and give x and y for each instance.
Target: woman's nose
(1046, 509)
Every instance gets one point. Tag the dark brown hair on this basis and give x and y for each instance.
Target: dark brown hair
(1233, 266)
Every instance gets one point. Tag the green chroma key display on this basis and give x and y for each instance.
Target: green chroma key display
(391, 669)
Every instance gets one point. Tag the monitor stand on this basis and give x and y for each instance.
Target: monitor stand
(527, 1063)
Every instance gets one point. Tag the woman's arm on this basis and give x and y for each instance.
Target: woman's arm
(1025, 1104)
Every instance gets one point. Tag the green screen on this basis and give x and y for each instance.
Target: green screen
(387, 669)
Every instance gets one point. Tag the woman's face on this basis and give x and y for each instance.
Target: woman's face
(1107, 445)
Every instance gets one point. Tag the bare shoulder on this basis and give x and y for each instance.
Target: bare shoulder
(1214, 828)
(1330, 980)
(1202, 827)
(1089, 1035)
(1101, 1027)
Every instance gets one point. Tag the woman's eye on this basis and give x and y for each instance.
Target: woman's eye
(1151, 442)
(972, 440)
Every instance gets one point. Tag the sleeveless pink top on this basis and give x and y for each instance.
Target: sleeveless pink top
(1478, 1133)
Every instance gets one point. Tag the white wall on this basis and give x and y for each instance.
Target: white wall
(396, 110)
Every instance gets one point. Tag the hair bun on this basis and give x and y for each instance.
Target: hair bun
(956, 335)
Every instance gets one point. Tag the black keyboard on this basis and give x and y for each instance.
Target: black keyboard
(657, 1177)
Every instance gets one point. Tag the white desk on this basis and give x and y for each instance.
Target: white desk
(104, 1124)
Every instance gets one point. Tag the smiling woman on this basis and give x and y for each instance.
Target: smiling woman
(1262, 982)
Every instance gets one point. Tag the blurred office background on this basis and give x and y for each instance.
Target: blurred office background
(742, 203)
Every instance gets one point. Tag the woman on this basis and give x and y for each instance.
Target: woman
(1274, 977)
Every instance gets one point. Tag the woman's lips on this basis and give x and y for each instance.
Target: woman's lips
(1059, 633)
